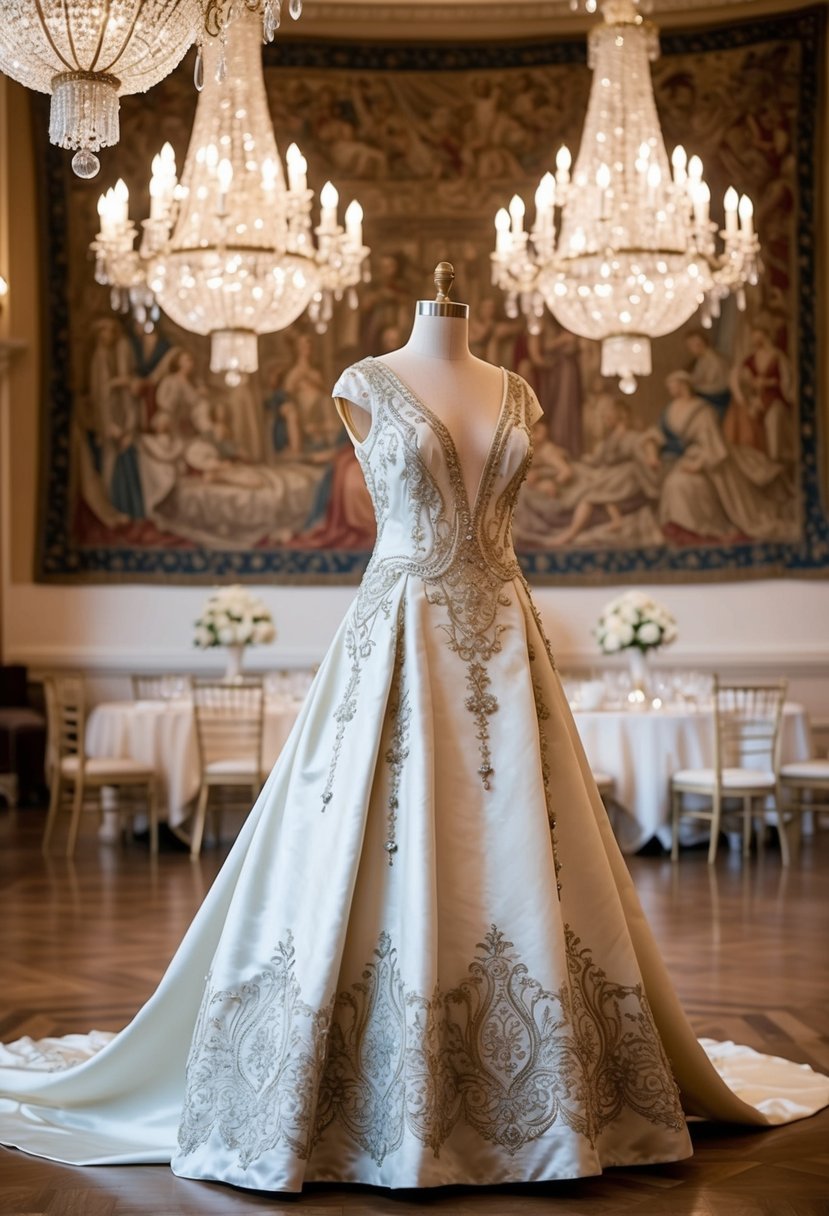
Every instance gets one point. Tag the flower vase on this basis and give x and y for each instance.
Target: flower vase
(639, 672)
(233, 668)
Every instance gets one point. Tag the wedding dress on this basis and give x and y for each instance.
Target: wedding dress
(425, 961)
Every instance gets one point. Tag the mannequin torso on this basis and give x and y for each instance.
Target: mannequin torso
(464, 392)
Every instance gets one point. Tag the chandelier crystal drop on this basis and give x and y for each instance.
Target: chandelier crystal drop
(228, 250)
(623, 249)
(219, 15)
(88, 53)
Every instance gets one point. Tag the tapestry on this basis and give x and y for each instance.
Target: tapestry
(153, 469)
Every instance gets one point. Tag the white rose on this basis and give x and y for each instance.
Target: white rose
(202, 636)
(263, 632)
(626, 634)
(227, 635)
(611, 642)
(649, 633)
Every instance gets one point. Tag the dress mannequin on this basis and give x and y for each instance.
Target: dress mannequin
(439, 368)
(424, 962)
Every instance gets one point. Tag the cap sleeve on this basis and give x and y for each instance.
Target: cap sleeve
(532, 406)
(352, 388)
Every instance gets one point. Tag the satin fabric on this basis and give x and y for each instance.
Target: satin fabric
(424, 962)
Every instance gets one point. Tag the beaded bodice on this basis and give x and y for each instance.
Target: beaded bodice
(426, 524)
(429, 530)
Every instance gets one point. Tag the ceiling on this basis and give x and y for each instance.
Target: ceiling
(476, 20)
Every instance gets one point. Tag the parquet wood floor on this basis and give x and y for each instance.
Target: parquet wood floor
(84, 943)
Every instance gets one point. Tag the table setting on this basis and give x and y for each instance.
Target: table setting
(161, 731)
(640, 723)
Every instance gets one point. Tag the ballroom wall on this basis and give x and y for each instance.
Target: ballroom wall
(756, 627)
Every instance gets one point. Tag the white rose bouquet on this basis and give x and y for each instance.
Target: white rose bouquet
(634, 621)
(233, 617)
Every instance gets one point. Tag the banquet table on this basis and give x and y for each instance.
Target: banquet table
(639, 748)
(162, 734)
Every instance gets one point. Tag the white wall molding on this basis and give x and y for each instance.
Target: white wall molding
(104, 660)
(803, 660)
(782, 659)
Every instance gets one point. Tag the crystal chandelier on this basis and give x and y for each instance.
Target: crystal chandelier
(634, 253)
(87, 53)
(228, 250)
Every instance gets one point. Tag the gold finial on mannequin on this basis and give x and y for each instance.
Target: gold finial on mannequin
(442, 306)
(444, 278)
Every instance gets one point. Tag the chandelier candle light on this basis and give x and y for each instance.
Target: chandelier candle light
(228, 250)
(634, 253)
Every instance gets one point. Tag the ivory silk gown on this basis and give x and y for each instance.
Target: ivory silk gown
(425, 961)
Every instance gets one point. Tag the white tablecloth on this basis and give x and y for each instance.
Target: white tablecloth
(163, 735)
(641, 749)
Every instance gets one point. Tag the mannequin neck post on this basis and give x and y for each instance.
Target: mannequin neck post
(436, 337)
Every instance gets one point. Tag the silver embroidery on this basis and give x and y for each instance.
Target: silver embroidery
(542, 714)
(373, 599)
(397, 752)
(462, 552)
(467, 575)
(254, 1066)
(498, 1053)
(481, 703)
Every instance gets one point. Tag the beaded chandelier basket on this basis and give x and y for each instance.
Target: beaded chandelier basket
(89, 54)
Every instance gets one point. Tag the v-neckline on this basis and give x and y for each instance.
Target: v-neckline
(445, 435)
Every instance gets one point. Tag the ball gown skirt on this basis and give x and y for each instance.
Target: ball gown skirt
(423, 962)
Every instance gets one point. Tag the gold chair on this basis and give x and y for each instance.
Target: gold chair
(229, 720)
(803, 785)
(746, 735)
(72, 774)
